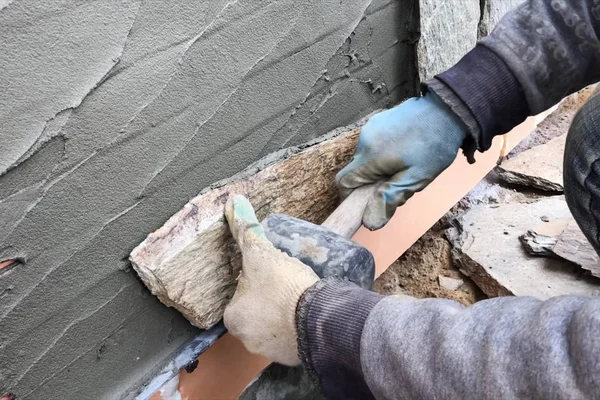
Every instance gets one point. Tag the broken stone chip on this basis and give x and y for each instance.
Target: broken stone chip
(450, 283)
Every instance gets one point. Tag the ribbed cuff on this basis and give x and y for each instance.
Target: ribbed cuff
(491, 92)
(330, 318)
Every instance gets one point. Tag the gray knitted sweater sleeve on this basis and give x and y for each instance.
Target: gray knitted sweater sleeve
(362, 345)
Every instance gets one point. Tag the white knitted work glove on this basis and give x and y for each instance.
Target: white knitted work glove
(262, 312)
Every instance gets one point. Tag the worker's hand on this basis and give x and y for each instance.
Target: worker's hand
(405, 148)
(262, 313)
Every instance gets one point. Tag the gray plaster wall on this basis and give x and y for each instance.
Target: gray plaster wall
(113, 113)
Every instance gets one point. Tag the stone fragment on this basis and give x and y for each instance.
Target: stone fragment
(195, 245)
(572, 245)
(537, 244)
(540, 167)
(450, 283)
(562, 238)
(498, 263)
(540, 240)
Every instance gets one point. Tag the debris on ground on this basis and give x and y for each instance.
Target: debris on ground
(416, 273)
(487, 239)
(563, 239)
(540, 240)
(487, 249)
(450, 283)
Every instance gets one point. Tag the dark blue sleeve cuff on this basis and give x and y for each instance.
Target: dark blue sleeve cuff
(330, 320)
(489, 89)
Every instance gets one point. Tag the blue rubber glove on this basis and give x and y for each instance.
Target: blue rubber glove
(404, 148)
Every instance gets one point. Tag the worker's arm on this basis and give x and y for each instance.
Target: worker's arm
(537, 54)
(399, 347)
(358, 344)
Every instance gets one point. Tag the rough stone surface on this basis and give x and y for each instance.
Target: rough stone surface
(191, 262)
(540, 240)
(113, 114)
(540, 167)
(538, 244)
(487, 249)
(449, 29)
(563, 239)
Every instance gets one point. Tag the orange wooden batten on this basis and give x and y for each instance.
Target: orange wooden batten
(227, 368)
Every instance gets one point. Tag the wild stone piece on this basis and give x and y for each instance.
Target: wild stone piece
(540, 167)
(444, 22)
(540, 240)
(565, 241)
(192, 262)
(498, 263)
(450, 283)
(537, 244)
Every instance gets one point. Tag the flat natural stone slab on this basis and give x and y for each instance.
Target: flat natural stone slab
(487, 248)
(191, 263)
(540, 167)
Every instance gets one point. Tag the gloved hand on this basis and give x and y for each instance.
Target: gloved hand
(405, 148)
(262, 312)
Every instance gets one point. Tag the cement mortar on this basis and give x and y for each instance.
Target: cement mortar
(113, 114)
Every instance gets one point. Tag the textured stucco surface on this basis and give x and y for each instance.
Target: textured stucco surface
(113, 113)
